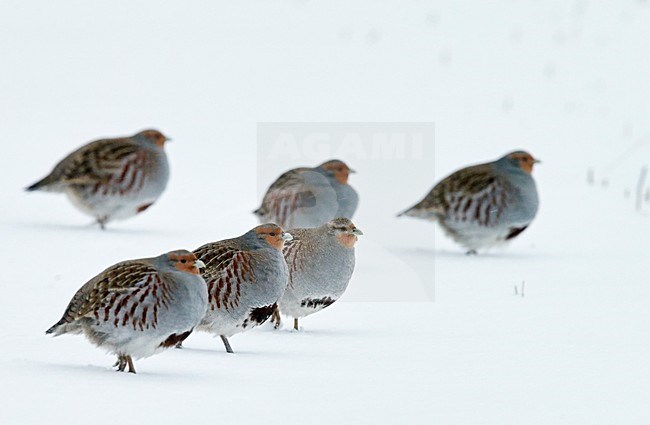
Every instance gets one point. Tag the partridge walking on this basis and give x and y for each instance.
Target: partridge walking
(310, 197)
(483, 205)
(245, 276)
(137, 308)
(321, 261)
(112, 179)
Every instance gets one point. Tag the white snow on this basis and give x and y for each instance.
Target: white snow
(425, 334)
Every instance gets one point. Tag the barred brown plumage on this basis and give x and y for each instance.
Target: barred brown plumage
(309, 197)
(134, 307)
(225, 267)
(112, 179)
(483, 205)
(245, 277)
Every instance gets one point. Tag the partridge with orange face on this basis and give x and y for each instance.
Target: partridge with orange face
(310, 197)
(483, 205)
(321, 261)
(137, 308)
(245, 277)
(112, 179)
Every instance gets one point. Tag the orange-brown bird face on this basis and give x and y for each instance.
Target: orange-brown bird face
(345, 231)
(524, 160)
(338, 169)
(185, 261)
(273, 235)
(155, 137)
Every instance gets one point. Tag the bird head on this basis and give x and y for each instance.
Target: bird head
(522, 160)
(153, 136)
(272, 234)
(184, 261)
(344, 230)
(337, 169)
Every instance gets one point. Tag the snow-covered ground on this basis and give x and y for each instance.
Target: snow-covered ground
(425, 334)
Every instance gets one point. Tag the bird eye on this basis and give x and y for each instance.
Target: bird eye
(272, 233)
(183, 261)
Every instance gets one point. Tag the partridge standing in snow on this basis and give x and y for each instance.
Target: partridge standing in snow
(136, 308)
(310, 197)
(112, 179)
(483, 205)
(246, 276)
(321, 262)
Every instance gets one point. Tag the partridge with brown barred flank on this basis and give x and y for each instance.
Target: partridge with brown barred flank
(112, 179)
(321, 261)
(245, 276)
(483, 205)
(137, 308)
(310, 197)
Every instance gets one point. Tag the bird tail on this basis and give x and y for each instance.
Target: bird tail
(64, 326)
(408, 212)
(43, 184)
(260, 212)
(55, 329)
(416, 212)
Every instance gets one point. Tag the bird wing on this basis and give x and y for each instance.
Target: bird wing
(115, 287)
(226, 269)
(95, 162)
(288, 193)
(294, 252)
(470, 182)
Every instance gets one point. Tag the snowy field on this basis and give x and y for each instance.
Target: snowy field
(424, 334)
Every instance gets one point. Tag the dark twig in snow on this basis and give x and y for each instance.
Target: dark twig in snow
(523, 286)
(590, 176)
(639, 188)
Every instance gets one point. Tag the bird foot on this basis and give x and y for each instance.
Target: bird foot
(122, 362)
(102, 222)
(276, 319)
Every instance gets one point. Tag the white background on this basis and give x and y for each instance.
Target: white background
(426, 334)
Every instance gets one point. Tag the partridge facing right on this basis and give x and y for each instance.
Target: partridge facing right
(483, 205)
(112, 179)
(309, 197)
(137, 308)
(245, 277)
(321, 261)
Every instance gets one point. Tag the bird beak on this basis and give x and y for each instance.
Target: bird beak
(537, 161)
(287, 236)
(357, 232)
(199, 264)
(352, 171)
(167, 139)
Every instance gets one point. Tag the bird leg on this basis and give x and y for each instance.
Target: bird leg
(129, 360)
(121, 363)
(226, 344)
(471, 252)
(179, 345)
(295, 324)
(276, 319)
(102, 222)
